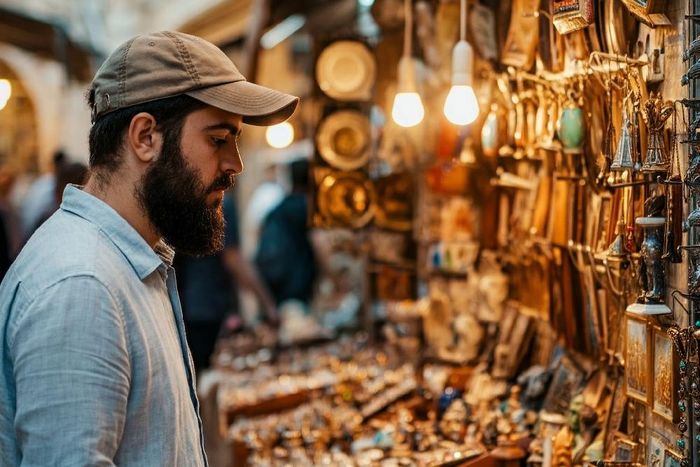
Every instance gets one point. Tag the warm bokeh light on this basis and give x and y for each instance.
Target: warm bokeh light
(5, 92)
(461, 106)
(280, 136)
(408, 109)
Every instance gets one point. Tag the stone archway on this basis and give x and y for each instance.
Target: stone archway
(19, 141)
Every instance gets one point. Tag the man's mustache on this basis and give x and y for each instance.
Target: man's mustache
(223, 182)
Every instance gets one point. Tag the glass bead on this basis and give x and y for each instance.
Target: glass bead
(682, 427)
(696, 406)
(681, 406)
(685, 463)
(680, 443)
(682, 365)
(697, 438)
(694, 386)
(697, 324)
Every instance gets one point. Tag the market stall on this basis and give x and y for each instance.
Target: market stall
(518, 180)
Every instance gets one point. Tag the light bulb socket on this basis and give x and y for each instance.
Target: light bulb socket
(407, 75)
(462, 60)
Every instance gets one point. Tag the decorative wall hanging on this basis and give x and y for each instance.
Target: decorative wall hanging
(343, 139)
(395, 202)
(655, 113)
(650, 12)
(521, 43)
(637, 358)
(346, 71)
(346, 199)
(571, 15)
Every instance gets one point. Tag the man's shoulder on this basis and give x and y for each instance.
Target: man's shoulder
(64, 246)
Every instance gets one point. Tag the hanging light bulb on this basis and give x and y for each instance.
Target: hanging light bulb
(407, 110)
(280, 136)
(461, 106)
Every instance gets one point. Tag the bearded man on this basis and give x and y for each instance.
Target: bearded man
(95, 365)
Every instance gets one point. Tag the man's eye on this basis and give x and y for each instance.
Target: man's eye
(218, 141)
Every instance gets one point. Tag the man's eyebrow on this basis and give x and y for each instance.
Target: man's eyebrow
(225, 126)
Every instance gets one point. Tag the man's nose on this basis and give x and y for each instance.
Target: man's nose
(232, 162)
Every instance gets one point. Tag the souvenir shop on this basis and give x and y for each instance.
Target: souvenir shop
(519, 181)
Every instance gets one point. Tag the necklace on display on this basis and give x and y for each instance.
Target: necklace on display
(688, 387)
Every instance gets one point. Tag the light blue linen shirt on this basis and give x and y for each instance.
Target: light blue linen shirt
(95, 365)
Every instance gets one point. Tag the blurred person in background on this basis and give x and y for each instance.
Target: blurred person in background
(286, 256)
(209, 287)
(96, 369)
(73, 173)
(10, 223)
(266, 196)
(40, 195)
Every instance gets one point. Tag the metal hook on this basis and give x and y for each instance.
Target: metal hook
(675, 299)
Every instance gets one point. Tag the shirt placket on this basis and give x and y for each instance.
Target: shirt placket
(171, 284)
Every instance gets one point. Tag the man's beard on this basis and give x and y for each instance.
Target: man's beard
(175, 199)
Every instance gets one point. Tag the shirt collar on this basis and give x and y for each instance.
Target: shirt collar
(137, 251)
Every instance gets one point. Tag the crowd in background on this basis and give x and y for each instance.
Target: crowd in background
(282, 269)
(24, 207)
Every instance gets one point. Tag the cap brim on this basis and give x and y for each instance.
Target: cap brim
(257, 104)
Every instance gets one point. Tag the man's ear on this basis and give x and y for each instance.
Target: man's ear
(143, 137)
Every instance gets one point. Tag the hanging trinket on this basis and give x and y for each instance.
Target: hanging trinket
(693, 269)
(490, 133)
(692, 73)
(656, 112)
(571, 127)
(572, 15)
(617, 248)
(650, 12)
(686, 345)
(624, 155)
(674, 201)
(692, 175)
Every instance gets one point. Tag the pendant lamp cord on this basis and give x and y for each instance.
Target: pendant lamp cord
(408, 28)
(463, 20)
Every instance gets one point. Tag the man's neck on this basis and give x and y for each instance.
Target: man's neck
(122, 198)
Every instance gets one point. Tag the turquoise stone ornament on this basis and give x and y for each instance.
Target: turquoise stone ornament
(681, 443)
(681, 406)
(697, 438)
(682, 365)
(571, 128)
(697, 324)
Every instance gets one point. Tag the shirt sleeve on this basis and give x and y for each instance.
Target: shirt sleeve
(72, 373)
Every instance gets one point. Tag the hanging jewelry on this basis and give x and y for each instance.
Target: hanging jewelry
(687, 347)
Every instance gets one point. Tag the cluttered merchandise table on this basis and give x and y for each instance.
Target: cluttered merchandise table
(351, 403)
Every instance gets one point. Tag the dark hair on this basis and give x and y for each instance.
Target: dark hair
(71, 172)
(299, 172)
(59, 157)
(107, 133)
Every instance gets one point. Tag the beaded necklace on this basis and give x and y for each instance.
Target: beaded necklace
(688, 387)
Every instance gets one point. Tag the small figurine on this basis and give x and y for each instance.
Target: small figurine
(652, 273)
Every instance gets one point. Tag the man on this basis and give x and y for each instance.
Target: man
(95, 366)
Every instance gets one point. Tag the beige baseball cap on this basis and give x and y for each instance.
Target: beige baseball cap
(168, 63)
